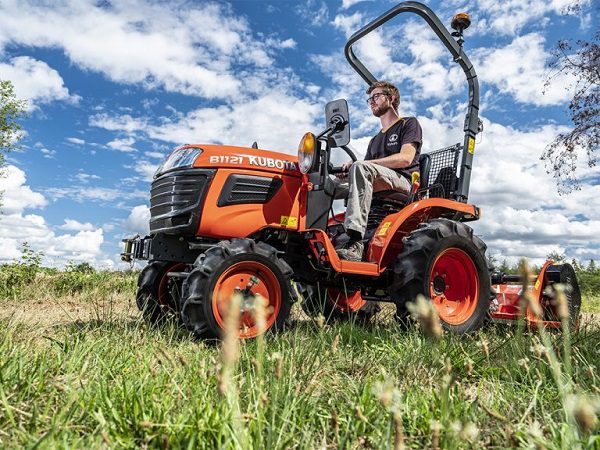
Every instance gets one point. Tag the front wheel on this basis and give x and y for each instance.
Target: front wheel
(445, 262)
(242, 267)
(158, 293)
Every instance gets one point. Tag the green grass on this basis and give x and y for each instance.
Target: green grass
(114, 381)
(590, 303)
(106, 379)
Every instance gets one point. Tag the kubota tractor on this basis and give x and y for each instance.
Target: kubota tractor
(232, 221)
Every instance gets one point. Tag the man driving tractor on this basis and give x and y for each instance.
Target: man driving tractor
(392, 156)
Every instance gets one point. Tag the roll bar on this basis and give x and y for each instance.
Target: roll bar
(471, 127)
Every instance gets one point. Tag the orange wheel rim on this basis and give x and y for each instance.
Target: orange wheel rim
(454, 286)
(252, 280)
(164, 295)
(346, 302)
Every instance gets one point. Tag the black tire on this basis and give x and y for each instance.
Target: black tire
(155, 291)
(458, 258)
(565, 275)
(318, 302)
(199, 312)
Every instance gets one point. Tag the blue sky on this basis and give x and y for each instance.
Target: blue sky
(113, 86)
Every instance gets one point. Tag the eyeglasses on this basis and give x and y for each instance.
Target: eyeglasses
(375, 97)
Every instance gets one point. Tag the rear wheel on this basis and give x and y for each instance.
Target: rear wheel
(239, 267)
(333, 303)
(157, 294)
(445, 262)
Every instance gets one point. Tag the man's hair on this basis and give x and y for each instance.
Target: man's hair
(388, 89)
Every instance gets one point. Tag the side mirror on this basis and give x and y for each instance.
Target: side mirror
(337, 116)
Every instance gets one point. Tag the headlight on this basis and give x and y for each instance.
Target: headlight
(180, 157)
(306, 152)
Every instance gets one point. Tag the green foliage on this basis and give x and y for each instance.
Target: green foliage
(589, 278)
(16, 276)
(11, 111)
(22, 279)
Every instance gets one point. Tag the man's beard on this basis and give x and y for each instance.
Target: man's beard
(379, 111)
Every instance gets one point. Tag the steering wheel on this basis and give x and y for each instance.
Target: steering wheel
(333, 170)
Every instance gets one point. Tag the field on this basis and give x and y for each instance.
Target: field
(79, 369)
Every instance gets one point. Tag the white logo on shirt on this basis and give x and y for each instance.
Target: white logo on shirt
(393, 138)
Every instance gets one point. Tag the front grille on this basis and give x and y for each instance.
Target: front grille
(243, 189)
(176, 201)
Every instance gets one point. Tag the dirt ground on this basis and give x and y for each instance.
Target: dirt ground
(49, 312)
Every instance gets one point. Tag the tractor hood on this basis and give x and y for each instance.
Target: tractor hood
(226, 156)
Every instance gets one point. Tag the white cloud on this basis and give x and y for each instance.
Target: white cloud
(85, 178)
(76, 141)
(145, 168)
(16, 196)
(276, 121)
(73, 225)
(317, 11)
(139, 220)
(94, 194)
(35, 81)
(124, 122)
(348, 3)
(155, 155)
(522, 213)
(122, 145)
(144, 42)
(519, 69)
(510, 16)
(48, 153)
(17, 227)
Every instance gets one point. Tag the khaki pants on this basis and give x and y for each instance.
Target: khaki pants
(365, 178)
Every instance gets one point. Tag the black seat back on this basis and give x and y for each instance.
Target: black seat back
(424, 167)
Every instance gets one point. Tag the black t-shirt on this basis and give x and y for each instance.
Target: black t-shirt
(388, 142)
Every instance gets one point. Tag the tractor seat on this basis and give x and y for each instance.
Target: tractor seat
(400, 198)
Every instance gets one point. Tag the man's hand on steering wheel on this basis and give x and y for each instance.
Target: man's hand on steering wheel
(345, 168)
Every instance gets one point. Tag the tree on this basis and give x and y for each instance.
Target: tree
(556, 257)
(582, 61)
(11, 110)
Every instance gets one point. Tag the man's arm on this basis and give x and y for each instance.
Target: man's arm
(404, 158)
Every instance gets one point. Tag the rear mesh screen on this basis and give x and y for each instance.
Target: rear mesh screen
(442, 178)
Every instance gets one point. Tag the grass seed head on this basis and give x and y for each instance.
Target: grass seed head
(584, 412)
(335, 343)
(425, 313)
(320, 321)
(230, 349)
(435, 428)
(260, 313)
(360, 415)
(398, 431)
(469, 432)
(277, 358)
(524, 363)
(469, 366)
(485, 347)
(560, 301)
(386, 393)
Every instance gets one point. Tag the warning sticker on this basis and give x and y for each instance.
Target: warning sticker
(288, 221)
(471, 146)
(384, 228)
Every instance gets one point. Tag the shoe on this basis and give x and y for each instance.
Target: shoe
(352, 251)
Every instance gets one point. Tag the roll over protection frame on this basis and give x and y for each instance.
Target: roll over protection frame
(471, 127)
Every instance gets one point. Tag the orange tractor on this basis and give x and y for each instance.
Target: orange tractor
(232, 221)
